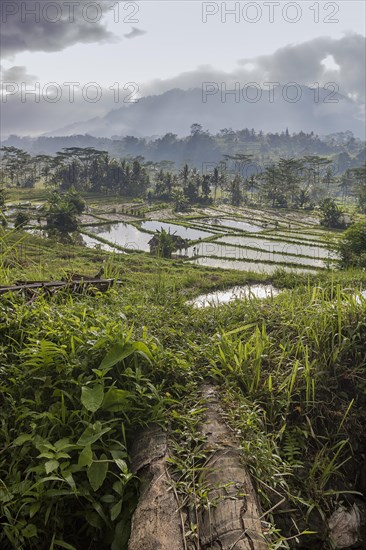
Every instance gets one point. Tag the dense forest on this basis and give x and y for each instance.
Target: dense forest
(200, 148)
(302, 182)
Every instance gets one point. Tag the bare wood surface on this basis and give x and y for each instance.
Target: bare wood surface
(232, 522)
(73, 285)
(156, 523)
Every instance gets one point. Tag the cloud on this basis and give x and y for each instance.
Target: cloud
(300, 63)
(41, 25)
(17, 74)
(303, 63)
(134, 33)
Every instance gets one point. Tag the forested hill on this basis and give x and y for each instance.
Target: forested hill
(201, 147)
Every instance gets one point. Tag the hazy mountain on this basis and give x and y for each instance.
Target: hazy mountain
(320, 111)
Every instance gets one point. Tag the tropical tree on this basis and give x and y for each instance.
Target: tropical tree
(180, 202)
(21, 219)
(206, 188)
(331, 215)
(235, 191)
(62, 213)
(359, 175)
(17, 167)
(2, 197)
(272, 189)
(164, 243)
(352, 246)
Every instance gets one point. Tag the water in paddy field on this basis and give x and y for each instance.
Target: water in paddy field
(179, 230)
(235, 293)
(94, 243)
(249, 266)
(361, 297)
(236, 224)
(279, 247)
(231, 252)
(300, 235)
(123, 234)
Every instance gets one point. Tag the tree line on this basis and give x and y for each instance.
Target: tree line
(201, 146)
(287, 182)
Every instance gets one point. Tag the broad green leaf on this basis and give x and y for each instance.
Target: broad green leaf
(116, 354)
(93, 519)
(62, 455)
(5, 495)
(121, 465)
(85, 457)
(22, 439)
(63, 544)
(51, 466)
(121, 535)
(67, 475)
(92, 434)
(119, 487)
(121, 351)
(97, 473)
(142, 348)
(92, 398)
(108, 499)
(116, 400)
(63, 444)
(116, 510)
(34, 509)
(29, 531)
(46, 455)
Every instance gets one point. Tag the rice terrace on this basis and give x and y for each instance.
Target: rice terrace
(182, 275)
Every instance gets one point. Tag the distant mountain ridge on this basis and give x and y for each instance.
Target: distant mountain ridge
(319, 110)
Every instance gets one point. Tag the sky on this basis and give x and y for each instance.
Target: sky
(148, 47)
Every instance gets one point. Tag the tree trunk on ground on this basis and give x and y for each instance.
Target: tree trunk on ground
(233, 522)
(156, 523)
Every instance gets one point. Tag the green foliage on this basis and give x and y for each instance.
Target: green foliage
(62, 213)
(352, 246)
(79, 375)
(331, 214)
(66, 412)
(21, 219)
(164, 243)
(2, 197)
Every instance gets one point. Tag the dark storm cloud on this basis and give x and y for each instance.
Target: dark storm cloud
(49, 26)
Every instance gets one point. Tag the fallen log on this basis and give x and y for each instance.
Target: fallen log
(75, 285)
(156, 523)
(233, 520)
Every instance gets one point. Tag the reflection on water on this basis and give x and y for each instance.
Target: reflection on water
(94, 243)
(236, 224)
(280, 247)
(248, 266)
(123, 234)
(235, 293)
(180, 230)
(361, 297)
(232, 252)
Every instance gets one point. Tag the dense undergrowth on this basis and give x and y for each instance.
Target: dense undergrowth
(80, 374)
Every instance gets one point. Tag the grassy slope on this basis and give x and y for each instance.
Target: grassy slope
(291, 372)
